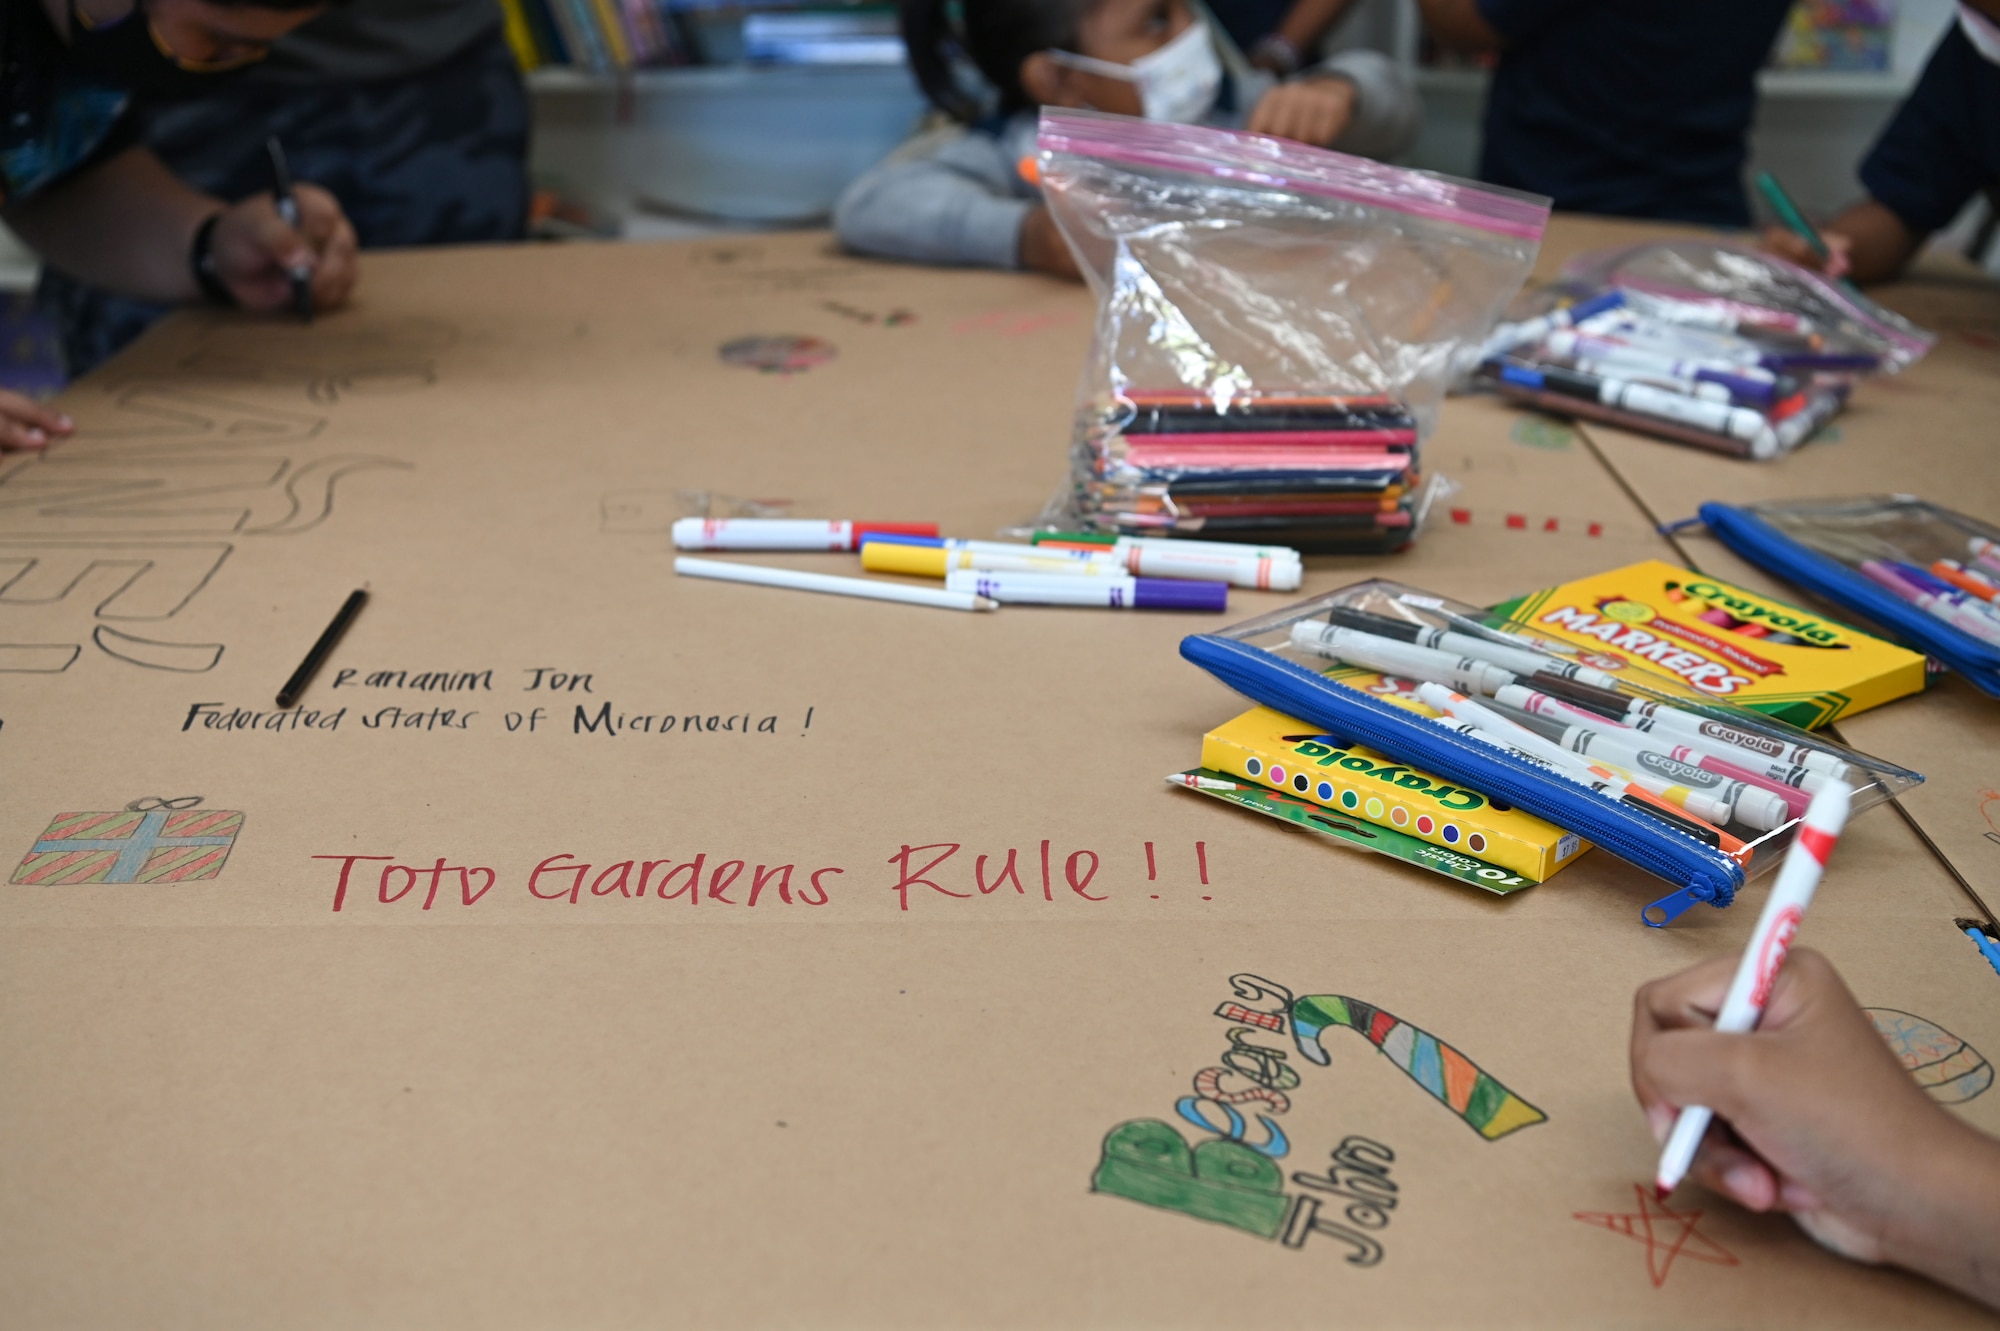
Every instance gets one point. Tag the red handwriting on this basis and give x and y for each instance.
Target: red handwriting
(678, 881)
(410, 875)
(1076, 874)
(939, 869)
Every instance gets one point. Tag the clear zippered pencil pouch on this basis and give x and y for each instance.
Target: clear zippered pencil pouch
(1702, 342)
(1276, 325)
(1920, 574)
(1694, 791)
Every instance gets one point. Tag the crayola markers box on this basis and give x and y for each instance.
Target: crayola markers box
(1726, 642)
(1283, 753)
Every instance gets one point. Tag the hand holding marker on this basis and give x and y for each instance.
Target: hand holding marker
(1750, 991)
(288, 209)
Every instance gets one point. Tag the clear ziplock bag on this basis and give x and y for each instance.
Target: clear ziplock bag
(1923, 575)
(1275, 328)
(1702, 342)
(1701, 794)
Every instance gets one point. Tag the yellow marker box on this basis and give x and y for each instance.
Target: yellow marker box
(1723, 640)
(1279, 752)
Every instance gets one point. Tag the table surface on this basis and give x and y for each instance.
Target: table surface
(425, 1086)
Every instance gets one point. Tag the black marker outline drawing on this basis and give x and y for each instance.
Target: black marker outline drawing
(38, 651)
(180, 657)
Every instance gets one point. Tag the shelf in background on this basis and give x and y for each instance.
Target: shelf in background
(1888, 86)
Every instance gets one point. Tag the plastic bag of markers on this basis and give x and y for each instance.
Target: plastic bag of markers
(1918, 573)
(1275, 329)
(1707, 753)
(1705, 343)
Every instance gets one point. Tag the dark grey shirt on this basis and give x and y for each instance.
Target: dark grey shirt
(367, 40)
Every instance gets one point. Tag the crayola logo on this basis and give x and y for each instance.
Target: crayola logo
(1448, 797)
(1685, 773)
(1755, 612)
(1756, 743)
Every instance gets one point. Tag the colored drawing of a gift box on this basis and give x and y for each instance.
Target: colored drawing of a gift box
(130, 846)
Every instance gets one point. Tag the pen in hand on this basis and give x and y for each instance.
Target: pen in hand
(288, 209)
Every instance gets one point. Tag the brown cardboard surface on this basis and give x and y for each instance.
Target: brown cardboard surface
(877, 1096)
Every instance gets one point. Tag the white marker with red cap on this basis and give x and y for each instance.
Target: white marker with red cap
(786, 533)
(1750, 990)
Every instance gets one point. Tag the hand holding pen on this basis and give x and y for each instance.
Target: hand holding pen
(266, 263)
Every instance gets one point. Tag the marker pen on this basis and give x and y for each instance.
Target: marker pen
(985, 547)
(1100, 540)
(785, 533)
(1675, 340)
(1519, 660)
(1750, 805)
(1794, 785)
(1644, 400)
(1757, 973)
(1508, 336)
(1953, 608)
(1965, 579)
(1694, 729)
(1391, 657)
(1113, 593)
(919, 561)
(1693, 802)
(1984, 552)
(1751, 382)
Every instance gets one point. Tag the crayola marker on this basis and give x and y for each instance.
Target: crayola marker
(1757, 972)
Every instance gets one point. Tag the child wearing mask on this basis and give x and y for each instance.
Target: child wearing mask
(962, 199)
(1941, 148)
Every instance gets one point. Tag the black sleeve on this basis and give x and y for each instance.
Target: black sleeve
(1943, 144)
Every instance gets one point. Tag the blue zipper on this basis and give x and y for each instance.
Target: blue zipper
(1703, 872)
(1773, 551)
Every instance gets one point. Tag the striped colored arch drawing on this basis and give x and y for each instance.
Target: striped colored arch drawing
(1488, 1108)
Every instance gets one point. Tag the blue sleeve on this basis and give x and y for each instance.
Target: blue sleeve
(956, 201)
(1517, 20)
(1943, 144)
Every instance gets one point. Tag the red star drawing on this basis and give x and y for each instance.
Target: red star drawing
(1667, 1234)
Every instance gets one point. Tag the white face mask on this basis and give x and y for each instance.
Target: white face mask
(1177, 83)
(1981, 31)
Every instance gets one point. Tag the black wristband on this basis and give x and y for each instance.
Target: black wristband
(201, 262)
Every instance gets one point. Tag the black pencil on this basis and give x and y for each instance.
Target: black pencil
(322, 649)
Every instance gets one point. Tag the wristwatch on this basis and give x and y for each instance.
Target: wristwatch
(1277, 54)
(201, 262)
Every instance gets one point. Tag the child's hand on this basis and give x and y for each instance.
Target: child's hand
(26, 423)
(256, 251)
(1042, 247)
(1788, 244)
(1822, 1121)
(1309, 110)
